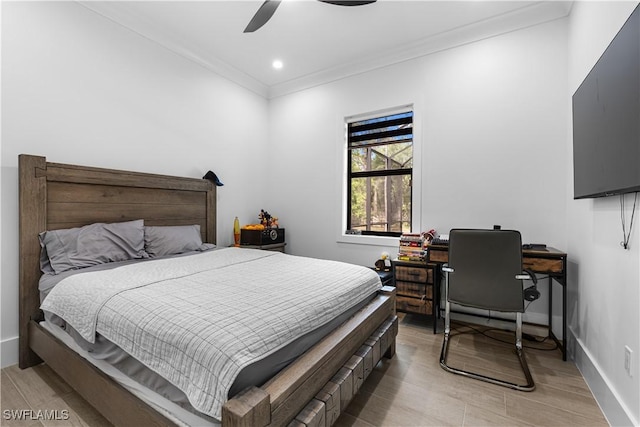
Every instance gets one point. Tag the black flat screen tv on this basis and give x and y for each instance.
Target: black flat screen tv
(606, 119)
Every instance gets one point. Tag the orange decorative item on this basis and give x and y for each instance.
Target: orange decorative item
(236, 232)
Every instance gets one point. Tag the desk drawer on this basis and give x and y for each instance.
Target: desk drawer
(414, 274)
(438, 256)
(542, 265)
(414, 305)
(413, 289)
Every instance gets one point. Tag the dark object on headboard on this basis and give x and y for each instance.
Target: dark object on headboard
(213, 178)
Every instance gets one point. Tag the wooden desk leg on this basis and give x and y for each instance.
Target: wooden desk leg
(564, 315)
(561, 343)
(436, 298)
(551, 309)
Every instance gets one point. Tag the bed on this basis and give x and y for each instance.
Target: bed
(312, 390)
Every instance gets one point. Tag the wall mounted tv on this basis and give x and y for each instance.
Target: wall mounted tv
(606, 119)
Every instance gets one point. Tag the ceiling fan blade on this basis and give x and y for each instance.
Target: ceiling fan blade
(263, 14)
(348, 3)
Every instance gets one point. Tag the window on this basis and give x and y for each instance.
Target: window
(379, 174)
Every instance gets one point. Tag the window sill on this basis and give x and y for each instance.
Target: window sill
(356, 239)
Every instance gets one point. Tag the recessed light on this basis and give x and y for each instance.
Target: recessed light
(277, 64)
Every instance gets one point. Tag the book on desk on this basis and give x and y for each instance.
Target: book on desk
(411, 248)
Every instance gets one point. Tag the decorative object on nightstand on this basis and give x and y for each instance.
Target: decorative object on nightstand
(236, 232)
(384, 263)
(264, 235)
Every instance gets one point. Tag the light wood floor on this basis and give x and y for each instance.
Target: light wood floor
(409, 390)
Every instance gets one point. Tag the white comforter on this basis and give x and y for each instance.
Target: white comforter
(199, 320)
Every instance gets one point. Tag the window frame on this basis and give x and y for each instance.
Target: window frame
(378, 173)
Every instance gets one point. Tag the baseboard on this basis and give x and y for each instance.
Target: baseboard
(533, 323)
(614, 410)
(8, 352)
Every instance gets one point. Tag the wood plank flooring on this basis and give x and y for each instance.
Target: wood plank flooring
(409, 390)
(413, 390)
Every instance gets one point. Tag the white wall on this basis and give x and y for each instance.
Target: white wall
(80, 89)
(604, 278)
(490, 123)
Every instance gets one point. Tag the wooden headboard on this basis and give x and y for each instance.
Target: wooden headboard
(54, 196)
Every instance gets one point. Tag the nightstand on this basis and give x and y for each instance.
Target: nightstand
(416, 290)
(277, 247)
(386, 277)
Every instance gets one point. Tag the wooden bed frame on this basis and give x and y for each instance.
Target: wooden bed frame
(310, 391)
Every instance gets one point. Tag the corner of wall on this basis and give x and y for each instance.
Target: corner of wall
(8, 352)
(608, 400)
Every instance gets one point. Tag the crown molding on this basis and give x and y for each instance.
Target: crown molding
(541, 12)
(111, 11)
(527, 16)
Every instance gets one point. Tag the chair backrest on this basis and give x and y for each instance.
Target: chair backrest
(485, 264)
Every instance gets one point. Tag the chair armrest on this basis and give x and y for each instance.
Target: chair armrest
(528, 275)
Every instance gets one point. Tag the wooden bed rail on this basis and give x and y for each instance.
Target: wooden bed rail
(113, 400)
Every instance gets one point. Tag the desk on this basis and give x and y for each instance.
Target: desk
(549, 261)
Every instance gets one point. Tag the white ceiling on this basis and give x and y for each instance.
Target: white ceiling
(318, 42)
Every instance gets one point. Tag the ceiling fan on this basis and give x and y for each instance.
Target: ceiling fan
(268, 8)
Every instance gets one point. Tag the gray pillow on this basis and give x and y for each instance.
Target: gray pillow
(45, 264)
(74, 248)
(174, 239)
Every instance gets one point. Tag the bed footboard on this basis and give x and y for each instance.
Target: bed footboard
(316, 388)
(312, 391)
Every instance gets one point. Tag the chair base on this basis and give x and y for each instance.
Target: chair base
(529, 386)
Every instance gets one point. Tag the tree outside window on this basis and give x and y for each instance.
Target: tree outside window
(380, 165)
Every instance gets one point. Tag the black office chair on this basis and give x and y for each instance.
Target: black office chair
(485, 271)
